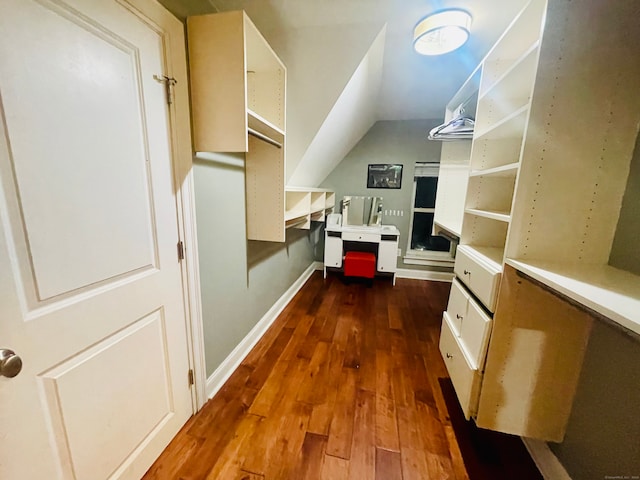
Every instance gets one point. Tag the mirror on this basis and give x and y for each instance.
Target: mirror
(361, 210)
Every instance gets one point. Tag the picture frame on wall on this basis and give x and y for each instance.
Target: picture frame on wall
(384, 175)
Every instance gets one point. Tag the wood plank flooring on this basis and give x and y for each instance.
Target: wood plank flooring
(348, 383)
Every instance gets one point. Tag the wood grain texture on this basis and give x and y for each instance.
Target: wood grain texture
(342, 387)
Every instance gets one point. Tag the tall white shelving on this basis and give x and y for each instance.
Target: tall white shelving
(504, 104)
(556, 124)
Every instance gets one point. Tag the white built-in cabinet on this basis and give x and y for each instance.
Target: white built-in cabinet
(556, 123)
(238, 91)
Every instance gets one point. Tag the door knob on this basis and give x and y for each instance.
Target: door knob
(10, 363)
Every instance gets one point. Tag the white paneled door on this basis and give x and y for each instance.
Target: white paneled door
(91, 293)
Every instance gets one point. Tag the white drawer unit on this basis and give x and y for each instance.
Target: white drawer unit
(470, 323)
(465, 378)
(481, 276)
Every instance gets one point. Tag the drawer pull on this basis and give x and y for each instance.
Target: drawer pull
(458, 316)
(467, 272)
(449, 355)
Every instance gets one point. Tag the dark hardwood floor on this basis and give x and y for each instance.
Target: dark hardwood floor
(348, 383)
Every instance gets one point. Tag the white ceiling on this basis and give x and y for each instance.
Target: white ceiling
(323, 42)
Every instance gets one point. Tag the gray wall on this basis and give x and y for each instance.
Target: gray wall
(625, 253)
(240, 279)
(603, 434)
(404, 142)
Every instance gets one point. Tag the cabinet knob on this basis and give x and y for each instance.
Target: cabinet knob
(458, 316)
(467, 272)
(449, 355)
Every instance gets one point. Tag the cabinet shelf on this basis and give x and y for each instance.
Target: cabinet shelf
(611, 292)
(260, 124)
(500, 216)
(491, 153)
(304, 205)
(297, 222)
(517, 80)
(509, 170)
(525, 30)
(510, 126)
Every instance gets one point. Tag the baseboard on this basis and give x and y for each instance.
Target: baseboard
(235, 358)
(424, 275)
(548, 464)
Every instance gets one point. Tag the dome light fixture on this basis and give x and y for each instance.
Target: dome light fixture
(441, 32)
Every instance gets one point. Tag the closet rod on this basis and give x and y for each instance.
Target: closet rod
(263, 137)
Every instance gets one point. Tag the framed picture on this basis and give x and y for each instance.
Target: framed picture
(384, 175)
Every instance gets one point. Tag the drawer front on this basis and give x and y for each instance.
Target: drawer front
(481, 281)
(465, 379)
(361, 237)
(457, 306)
(474, 334)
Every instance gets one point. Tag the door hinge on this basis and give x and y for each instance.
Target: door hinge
(191, 382)
(180, 250)
(168, 82)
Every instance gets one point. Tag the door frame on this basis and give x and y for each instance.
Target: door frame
(161, 20)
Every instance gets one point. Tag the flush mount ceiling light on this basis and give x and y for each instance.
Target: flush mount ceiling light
(441, 32)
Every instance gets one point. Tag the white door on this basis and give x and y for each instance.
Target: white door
(90, 283)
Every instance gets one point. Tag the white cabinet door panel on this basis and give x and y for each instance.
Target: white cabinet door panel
(387, 256)
(332, 251)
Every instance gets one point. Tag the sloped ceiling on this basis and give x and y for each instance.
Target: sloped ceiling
(324, 43)
(352, 115)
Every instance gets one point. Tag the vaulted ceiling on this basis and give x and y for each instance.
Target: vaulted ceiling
(351, 63)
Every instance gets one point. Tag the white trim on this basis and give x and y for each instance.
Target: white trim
(428, 262)
(235, 358)
(425, 275)
(194, 308)
(548, 464)
(182, 157)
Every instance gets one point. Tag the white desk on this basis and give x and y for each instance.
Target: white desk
(383, 237)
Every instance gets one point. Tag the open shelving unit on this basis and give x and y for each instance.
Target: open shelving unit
(504, 103)
(238, 91)
(572, 181)
(306, 205)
